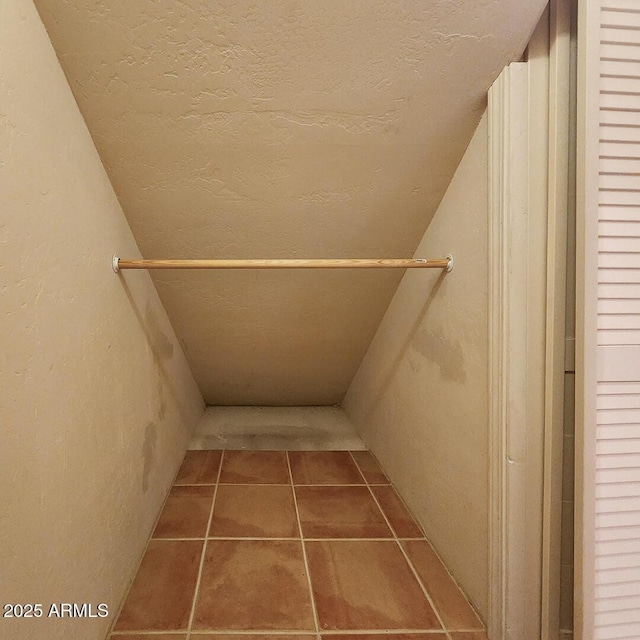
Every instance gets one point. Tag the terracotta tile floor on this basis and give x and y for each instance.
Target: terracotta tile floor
(270, 545)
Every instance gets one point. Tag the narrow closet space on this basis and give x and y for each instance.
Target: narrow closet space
(281, 521)
(245, 267)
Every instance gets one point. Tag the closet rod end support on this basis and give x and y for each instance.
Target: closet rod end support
(115, 264)
(451, 263)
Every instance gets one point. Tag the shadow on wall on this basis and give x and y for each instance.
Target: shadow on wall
(422, 346)
(162, 350)
(148, 453)
(446, 354)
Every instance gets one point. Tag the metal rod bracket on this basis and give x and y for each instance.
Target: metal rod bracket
(115, 264)
(451, 264)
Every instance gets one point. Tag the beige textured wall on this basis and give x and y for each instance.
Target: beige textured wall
(420, 397)
(96, 398)
(282, 129)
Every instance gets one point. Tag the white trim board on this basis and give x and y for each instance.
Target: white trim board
(518, 176)
(508, 138)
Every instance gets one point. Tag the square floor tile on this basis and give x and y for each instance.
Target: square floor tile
(470, 635)
(252, 511)
(186, 513)
(161, 596)
(401, 520)
(369, 468)
(324, 467)
(366, 585)
(199, 467)
(254, 585)
(455, 611)
(340, 512)
(255, 467)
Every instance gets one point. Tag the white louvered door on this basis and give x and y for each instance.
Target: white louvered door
(615, 613)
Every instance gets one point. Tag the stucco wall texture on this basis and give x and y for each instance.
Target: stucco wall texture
(420, 397)
(282, 129)
(96, 398)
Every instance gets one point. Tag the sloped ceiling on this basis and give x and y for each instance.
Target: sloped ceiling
(281, 129)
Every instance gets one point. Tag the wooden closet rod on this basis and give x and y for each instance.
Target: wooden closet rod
(418, 263)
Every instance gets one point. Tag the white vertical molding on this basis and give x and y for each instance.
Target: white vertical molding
(537, 293)
(508, 252)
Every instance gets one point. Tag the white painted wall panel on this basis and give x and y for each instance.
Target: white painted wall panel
(619, 475)
(617, 150)
(616, 15)
(618, 617)
(616, 604)
(618, 560)
(619, 101)
(611, 51)
(620, 260)
(612, 321)
(619, 395)
(619, 5)
(610, 491)
(619, 180)
(618, 446)
(630, 214)
(624, 85)
(617, 513)
(618, 549)
(617, 275)
(606, 432)
(611, 117)
(629, 306)
(619, 363)
(617, 504)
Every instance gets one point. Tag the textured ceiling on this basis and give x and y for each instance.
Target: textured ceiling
(276, 129)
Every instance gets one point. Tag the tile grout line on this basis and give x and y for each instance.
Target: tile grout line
(384, 632)
(415, 573)
(334, 632)
(425, 537)
(195, 484)
(280, 539)
(442, 562)
(364, 480)
(279, 484)
(316, 621)
(455, 582)
(288, 632)
(406, 557)
(204, 549)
